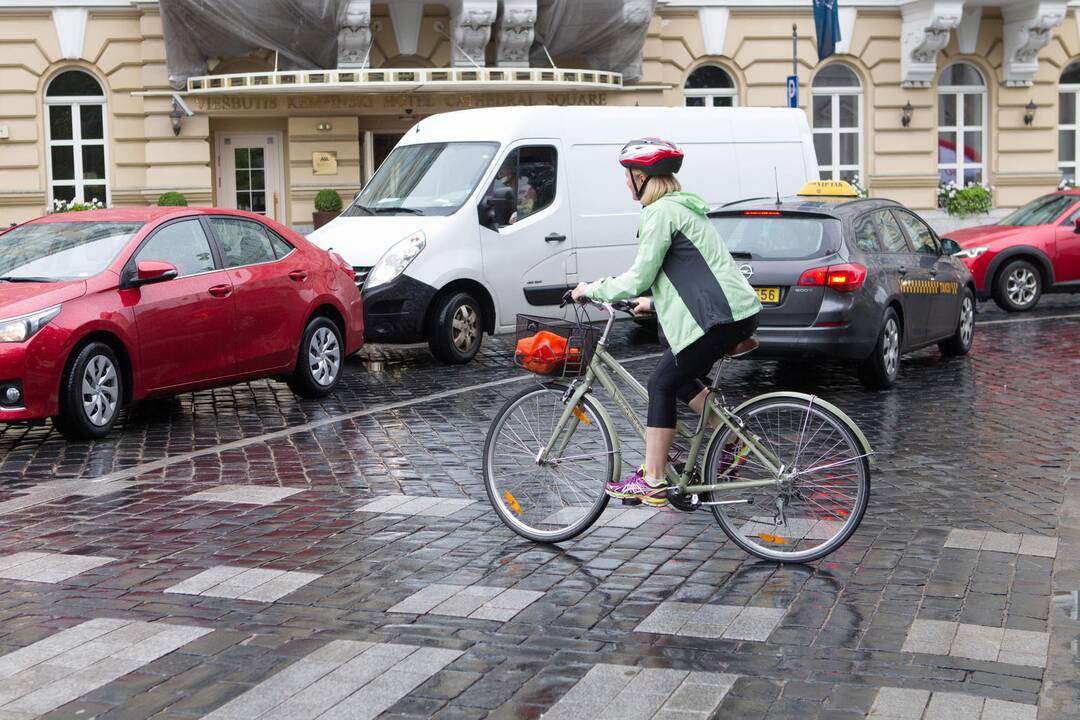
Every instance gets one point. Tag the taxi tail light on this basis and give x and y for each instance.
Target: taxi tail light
(842, 278)
(344, 266)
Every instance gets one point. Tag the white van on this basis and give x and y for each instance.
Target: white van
(479, 215)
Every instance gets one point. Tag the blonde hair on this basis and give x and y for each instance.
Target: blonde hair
(658, 187)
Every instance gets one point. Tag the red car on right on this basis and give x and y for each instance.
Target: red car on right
(1033, 251)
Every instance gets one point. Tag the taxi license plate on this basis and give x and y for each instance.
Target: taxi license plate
(768, 295)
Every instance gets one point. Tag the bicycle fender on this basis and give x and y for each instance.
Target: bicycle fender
(843, 416)
(605, 417)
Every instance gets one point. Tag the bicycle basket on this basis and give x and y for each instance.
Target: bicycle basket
(550, 346)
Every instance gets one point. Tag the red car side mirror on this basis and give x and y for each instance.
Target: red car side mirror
(1077, 228)
(153, 271)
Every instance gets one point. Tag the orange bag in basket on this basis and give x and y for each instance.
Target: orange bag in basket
(544, 353)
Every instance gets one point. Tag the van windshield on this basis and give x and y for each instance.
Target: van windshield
(427, 179)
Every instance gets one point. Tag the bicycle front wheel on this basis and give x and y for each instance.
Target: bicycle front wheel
(562, 497)
(815, 505)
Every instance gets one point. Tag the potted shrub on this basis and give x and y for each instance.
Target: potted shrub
(327, 207)
(171, 199)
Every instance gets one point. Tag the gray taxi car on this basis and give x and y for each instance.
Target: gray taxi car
(859, 280)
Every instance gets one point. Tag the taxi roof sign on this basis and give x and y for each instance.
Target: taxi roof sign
(828, 188)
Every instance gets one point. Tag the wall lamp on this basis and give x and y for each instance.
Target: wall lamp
(179, 111)
(905, 117)
(1029, 112)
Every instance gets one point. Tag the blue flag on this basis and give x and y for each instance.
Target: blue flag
(827, 20)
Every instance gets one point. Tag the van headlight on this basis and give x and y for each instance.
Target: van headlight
(22, 328)
(971, 253)
(396, 259)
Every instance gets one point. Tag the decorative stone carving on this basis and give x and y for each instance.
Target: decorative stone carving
(926, 29)
(1028, 29)
(514, 32)
(354, 34)
(470, 29)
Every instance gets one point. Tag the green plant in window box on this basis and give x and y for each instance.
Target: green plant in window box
(171, 199)
(62, 206)
(971, 199)
(327, 206)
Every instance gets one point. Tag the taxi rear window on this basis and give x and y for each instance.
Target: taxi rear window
(773, 235)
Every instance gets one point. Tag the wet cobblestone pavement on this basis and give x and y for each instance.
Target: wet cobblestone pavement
(366, 574)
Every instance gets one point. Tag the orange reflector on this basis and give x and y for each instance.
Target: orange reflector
(774, 539)
(511, 502)
(580, 415)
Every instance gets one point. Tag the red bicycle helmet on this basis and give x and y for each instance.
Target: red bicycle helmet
(652, 156)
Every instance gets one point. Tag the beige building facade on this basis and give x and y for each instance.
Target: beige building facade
(917, 94)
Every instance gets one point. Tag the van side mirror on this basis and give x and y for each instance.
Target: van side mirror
(949, 246)
(485, 212)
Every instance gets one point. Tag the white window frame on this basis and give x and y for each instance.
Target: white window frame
(959, 92)
(709, 93)
(75, 102)
(834, 131)
(1072, 89)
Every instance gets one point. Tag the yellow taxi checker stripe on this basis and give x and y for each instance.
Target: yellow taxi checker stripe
(929, 287)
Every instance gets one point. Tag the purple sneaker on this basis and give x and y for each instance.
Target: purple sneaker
(636, 488)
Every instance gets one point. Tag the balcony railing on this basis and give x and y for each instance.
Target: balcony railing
(397, 80)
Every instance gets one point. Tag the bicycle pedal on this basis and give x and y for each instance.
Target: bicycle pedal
(631, 501)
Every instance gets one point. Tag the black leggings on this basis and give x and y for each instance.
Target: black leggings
(684, 375)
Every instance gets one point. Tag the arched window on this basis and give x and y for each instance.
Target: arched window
(1068, 101)
(961, 124)
(75, 138)
(710, 86)
(837, 115)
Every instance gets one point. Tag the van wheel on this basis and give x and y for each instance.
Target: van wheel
(456, 328)
(880, 370)
(91, 394)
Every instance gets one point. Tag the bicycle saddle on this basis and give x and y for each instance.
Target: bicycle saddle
(745, 347)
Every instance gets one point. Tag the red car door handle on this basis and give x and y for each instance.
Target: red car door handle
(220, 290)
(298, 275)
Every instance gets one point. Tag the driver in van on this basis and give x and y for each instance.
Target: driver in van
(705, 306)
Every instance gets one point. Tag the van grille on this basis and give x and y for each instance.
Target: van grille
(361, 275)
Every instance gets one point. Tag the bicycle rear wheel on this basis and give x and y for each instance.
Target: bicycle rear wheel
(560, 499)
(820, 499)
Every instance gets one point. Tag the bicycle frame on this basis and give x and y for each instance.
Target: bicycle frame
(601, 369)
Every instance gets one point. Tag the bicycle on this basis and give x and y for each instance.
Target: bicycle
(788, 474)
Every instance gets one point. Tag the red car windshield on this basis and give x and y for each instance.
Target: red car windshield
(1040, 211)
(48, 252)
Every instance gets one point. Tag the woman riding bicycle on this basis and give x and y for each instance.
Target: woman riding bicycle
(704, 304)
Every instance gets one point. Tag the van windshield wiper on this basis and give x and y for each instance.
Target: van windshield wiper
(363, 208)
(408, 210)
(24, 278)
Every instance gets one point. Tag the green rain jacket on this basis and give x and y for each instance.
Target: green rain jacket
(695, 282)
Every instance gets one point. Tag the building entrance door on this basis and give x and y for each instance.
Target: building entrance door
(251, 173)
(376, 146)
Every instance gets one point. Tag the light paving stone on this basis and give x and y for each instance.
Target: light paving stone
(479, 602)
(992, 541)
(932, 637)
(1001, 542)
(48, 567)
(63, 667)
(617, 692)
(899, 704)
(620, 517)
(954, 706)
(409, 505)
(245, 494)
(732, 622)
(977, 642)
(343, 679)
(1005, 710)
(1024, 647)
(239, 583)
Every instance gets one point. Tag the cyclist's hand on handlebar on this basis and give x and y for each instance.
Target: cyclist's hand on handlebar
(642, 306)
(578, 294)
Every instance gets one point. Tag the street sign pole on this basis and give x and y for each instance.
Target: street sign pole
(793, 79)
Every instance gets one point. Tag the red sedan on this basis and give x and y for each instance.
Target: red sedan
(103, 307)
(1034, 250)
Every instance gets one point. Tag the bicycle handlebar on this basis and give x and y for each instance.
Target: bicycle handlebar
(619, 305)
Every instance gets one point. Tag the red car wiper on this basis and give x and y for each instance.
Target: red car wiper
(24, 278)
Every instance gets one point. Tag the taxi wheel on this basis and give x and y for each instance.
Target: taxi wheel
(1018, 286)
(961, 340)
(456, 328)
(91, 394)
(319, 360)
(881, 369)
